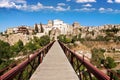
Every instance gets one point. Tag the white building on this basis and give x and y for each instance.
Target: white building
(56, 26)
(63, 27)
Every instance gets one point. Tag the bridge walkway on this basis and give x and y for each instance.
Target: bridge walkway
(55, 66)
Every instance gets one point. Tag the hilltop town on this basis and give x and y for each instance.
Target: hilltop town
(55, 28)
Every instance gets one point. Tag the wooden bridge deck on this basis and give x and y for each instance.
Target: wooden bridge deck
(55, 66)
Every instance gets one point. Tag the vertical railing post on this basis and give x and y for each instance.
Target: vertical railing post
(67, 53)
(111, 76)
(71, 60)
(43, 53)
(39, 58)
(83, 58)
(20, 75)
(89, 75)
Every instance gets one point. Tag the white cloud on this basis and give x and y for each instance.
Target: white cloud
(117, 1)
(87, 5)
(6, 4)
(22, 5)
(109, 9)
(12, 3)
(117, 11)
(86, 9)
(61, 4)
(84, 1)
(19, 1)
(38, 7)
(59, 8)
(68, 0)
(103, 10)
(110, 1)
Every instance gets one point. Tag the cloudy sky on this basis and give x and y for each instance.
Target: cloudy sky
(87, 12)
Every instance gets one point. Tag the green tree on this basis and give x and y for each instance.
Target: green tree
(109, 63)
(68, 40)
(30, 47)
(36, 28)
(4, 54)
(36, 39)
(42, 30)
(114, 30)
(64, 39)
(100, 38)
(17, 47)
(44, 40)
(118, 71)
(4, 50)
(61, 38)
(97, 56)
(74, 38)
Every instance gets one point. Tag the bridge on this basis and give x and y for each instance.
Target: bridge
(55, 62)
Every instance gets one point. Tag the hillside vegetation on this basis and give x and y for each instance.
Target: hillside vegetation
(8, 53)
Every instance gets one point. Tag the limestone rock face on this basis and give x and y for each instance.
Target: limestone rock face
(12, 39)
(3, 38)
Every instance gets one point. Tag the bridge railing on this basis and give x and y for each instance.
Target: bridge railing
(24, 70)
(83, 68)
(113, 75)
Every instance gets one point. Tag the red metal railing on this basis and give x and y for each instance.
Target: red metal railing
(84, 69)
(24, 70)
(7, 68)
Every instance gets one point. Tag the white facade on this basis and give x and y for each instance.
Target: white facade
(63, 27)
(57, 23)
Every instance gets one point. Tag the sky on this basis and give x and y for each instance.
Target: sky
(15, 13)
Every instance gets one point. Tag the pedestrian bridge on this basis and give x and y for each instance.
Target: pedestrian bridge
(55, 66)
(59, 63)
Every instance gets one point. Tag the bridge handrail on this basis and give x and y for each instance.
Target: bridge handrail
(91, 68)
(20, 67)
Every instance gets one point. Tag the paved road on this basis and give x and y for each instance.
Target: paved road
(55, 66)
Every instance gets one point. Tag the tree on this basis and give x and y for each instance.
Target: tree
(114, 30)
(97, 56)
(68, 40)
(36, 28)
(109, 63)
(30, 47)
(61, 38)
(74, 38)
(17, 47)
(1, 33)
(4, 54)
(4, 50)
(20, 44)
(64, 39)
(49, 32)
(42, 30)
(36, 39)
(44, 40)
(100, 38)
